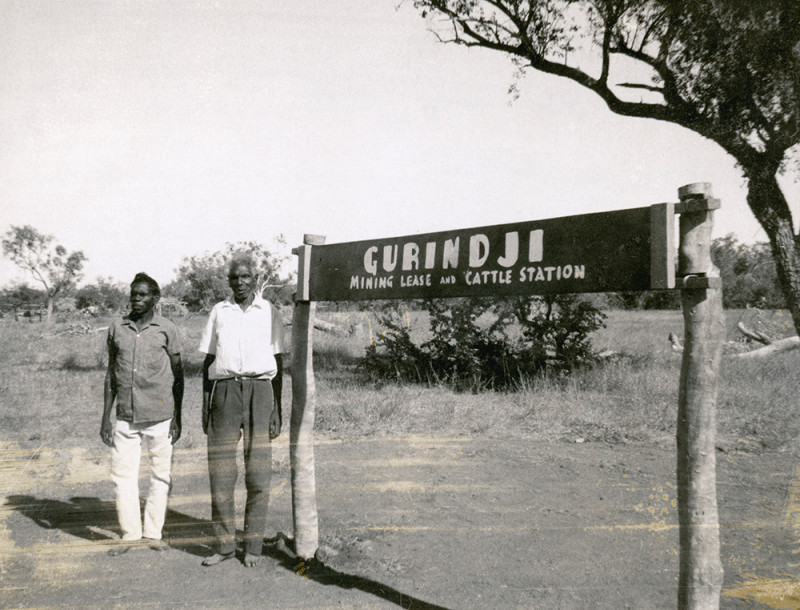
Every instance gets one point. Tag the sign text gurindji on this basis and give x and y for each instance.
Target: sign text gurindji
(609, 251)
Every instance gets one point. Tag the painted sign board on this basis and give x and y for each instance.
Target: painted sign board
(601, 252)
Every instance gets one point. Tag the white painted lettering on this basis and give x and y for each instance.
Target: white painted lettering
(389, 258)
(536, 246)
(409, 281)
(512, 250)
(370, 264)
(410, 256)
(478, 250)
(430, 254)
(450, 255)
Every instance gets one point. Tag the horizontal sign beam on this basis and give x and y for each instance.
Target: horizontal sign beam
(602, 252)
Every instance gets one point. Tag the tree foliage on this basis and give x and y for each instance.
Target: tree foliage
(202, 280)
(20, 295)
(728, 70)
(748, 274)
(47, 261)
(103, 295)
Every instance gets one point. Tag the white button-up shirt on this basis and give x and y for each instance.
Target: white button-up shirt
(244, 342)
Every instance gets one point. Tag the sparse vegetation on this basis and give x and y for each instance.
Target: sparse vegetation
(631, 397)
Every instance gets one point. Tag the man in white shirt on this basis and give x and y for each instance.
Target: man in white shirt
(242, 385)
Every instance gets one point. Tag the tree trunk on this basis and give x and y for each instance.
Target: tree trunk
(50, 300)
(766, 200)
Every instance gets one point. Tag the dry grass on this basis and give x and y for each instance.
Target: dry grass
(52, 386)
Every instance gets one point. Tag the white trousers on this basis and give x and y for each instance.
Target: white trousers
(125, 457)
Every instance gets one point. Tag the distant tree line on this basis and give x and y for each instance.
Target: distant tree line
(200, 280)
(748, 274)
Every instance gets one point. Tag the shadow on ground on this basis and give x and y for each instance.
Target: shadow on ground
(78, 516)
(281, 548)
(83, 516)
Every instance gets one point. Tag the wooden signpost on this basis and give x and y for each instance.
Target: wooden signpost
(626, 250)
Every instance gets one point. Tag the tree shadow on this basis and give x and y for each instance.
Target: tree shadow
(281, 549)
(83, 517)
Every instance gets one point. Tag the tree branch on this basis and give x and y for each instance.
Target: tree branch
(641, 86)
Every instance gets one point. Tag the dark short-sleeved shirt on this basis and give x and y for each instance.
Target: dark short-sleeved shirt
(143, 372)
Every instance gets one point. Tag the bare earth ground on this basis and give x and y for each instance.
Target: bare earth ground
(410, 522)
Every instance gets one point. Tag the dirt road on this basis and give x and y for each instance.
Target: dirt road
(411, 522)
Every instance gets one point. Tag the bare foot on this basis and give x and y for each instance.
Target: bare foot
(157, 545)
(123, 547)
(217, 558)
(251, 561)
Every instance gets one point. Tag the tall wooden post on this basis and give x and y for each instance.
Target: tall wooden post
(301, 427)
(700, 580)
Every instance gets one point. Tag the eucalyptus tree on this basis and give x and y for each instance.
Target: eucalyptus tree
(728, 70)
(47, 261)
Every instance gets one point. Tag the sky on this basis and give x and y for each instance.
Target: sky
(144, 131)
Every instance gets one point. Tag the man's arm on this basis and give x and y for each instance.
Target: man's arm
(109, 394)
(207, 387)
(176, 364)
(276, 419)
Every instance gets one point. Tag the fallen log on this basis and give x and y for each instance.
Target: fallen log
(781, 345)
(738, 349)
(753, 335)
(329, 328)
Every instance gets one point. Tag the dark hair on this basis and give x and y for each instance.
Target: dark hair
(143, 278)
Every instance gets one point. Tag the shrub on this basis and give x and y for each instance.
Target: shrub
(394, 355)
(477, 343)
(103, 295)
(561, 326)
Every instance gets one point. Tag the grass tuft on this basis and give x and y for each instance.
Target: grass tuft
(77, 362)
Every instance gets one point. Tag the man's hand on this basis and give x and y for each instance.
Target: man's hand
(275, 423)
(107, 432)
(208, 390)
(175, 430)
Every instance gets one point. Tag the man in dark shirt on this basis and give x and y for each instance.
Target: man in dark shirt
(145, 380)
